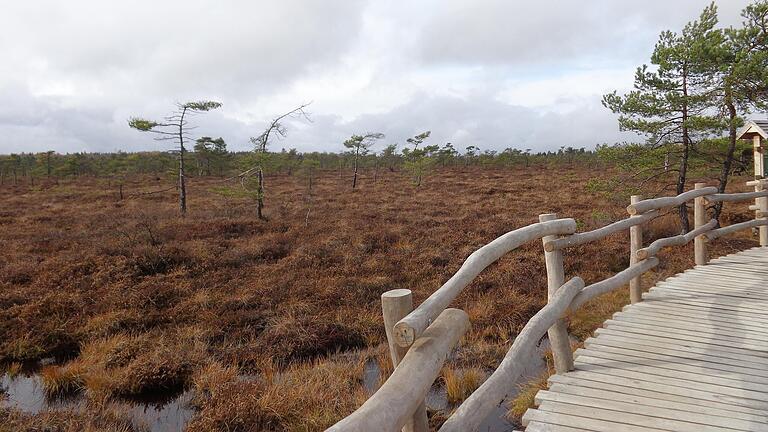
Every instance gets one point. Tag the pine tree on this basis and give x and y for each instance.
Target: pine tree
(671, 103)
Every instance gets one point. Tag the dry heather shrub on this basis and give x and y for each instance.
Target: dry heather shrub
(663, 226)
(305, 397)
(19, 272)
(45, 326)
(62, 380)
(211, 378)
(267, 248)
(459, 384)
(131, 365)
(105, 419)
(296, 336)
(591, 315)
(111, 323)
(13, 369)
(526, 397)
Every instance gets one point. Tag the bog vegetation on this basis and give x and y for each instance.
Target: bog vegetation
(254, 277)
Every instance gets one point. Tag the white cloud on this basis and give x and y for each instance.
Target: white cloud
(487, 72)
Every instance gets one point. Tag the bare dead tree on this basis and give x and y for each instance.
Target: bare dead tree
(276, 128)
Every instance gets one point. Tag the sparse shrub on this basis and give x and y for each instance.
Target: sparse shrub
(302, 397)
(525, 398)
(61, 380)
(377, 240)
(460, 384)
(211, 378)
(102, 419)
(273, 297)
(13, 369)
(152, 260)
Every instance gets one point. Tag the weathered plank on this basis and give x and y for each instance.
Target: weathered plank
(693, 356)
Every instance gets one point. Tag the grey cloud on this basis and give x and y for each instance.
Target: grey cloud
(550, 32)
(73, 72)
(225, 48)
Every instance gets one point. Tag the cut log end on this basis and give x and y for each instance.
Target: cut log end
(631, 209)
(396, 293)
(642, 254)
(405, 335)
(549, 246)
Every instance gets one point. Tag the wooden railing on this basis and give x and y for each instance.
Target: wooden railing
(421, 339)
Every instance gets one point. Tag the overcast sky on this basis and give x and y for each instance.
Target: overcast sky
(490, 73)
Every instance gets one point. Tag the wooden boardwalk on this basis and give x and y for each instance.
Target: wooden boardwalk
(692, 356)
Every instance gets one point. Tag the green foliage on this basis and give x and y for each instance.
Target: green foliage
(141, 124)
(417, 160)
(211, 155)
(359, 145)
(202, 106)
(670, 102)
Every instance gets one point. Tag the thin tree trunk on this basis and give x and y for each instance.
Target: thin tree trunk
(182, 182)
(260, 195)
(354, 176)
(683, 171)
(729, 153)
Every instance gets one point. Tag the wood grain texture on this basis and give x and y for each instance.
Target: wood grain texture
(693, 356)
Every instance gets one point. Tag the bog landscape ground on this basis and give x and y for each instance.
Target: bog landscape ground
(272, 323)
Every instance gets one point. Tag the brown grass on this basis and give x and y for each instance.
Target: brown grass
(102, 420)
(459, 384)
(302, 397)
(140, 300)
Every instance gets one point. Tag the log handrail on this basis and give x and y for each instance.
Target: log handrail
(657, 203)
(739, 196)
(678, 240)
(712, 235)
(614, 282)
(486, 397)
(600, 233)
(394, 404)
(408, 329)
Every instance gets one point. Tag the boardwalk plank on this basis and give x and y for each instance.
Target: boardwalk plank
(668, 412)
(691, 357)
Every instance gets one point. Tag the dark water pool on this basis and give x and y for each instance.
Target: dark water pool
(161, 414)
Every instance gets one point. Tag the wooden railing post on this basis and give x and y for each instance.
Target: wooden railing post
(699, 220)
(760, 203)
(635, 244)
(396, 304)
(558, 333)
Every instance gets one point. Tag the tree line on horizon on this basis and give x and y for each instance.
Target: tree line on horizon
(217, 161)
(688, 104)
